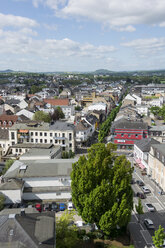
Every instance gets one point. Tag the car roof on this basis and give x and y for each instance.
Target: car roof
(150, 222)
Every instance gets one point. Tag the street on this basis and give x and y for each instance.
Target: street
(139, 233)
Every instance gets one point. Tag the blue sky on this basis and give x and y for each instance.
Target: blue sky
(82, 35)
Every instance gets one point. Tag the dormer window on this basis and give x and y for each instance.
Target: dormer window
(10, 123)
(4, 123)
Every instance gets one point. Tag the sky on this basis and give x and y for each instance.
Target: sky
(82, 35)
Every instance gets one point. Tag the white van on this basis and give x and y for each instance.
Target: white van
(70, 206)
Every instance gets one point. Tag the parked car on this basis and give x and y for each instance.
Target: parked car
(146, 190)
(38, 206)
(62, 206)
(54, 207)
(149, 224)
(132, 180)
(47, 207)
(140, 183)
(70, 206)
(141, 195)
(150, 207)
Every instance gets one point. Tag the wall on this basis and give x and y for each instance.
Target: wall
(47, 196)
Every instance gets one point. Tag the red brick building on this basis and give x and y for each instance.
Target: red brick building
(125, 133)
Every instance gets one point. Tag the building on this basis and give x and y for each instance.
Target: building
(7, 120)
(27, 230)
(158, 133)
(156, 164)
(141, 151)
(4, 140)
(83, 131)
(125, 133)
(59, 133)
(42, 179)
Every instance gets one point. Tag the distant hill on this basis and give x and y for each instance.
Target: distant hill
(6, 71)
(102, 72)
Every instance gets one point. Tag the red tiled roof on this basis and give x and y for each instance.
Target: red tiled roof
(7, 120)
(4, 117)
(57, 102)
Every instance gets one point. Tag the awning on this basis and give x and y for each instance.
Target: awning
(23, 131)
(141, 166)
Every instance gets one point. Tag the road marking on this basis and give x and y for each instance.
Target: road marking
(163, 206)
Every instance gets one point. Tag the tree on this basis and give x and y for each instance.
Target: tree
(159, 237)
(139, 209)
(42, 116)
(101, 188)
(2, 201)
(66, 235)
(8, 164)
(57, 114)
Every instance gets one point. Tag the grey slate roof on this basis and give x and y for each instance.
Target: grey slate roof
(11, 185)
(30, 230)
(61, 126)
(158, 128)
(122, 123)
(160, 148)
(4, 134)
(41, 168)
(145, 144)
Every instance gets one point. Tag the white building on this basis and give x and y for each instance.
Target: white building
(60, 133)
(43, 179)
(98, 106)
(26, 113)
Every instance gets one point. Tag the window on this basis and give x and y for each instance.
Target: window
(4, 123)
(45, 141)
(20, 150)
(70, 145)
(40, 140)
(12, 135)
(55, 134)
(26, 150)
(59, 135)
(16, 150)
(56, 141)
(122, 135)
(63, 142)
(129, 135)
(31, 133)
(36, 140)
(40, 133)
(70, 136)
(10, 123)
(163, 159)
(13, 143)
(157, 154)
(27, 140)
(36, 134)
(51, 134)
(136, 135)
(32, 140)
(63, 134)
(45, 134)
(51, 141)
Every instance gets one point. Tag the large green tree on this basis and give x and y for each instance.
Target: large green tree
(42, 116)
(101, 188)
(159, 237)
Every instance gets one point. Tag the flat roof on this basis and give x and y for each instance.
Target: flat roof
(41, 168)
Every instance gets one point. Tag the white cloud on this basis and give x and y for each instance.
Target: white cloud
(152, 45)
(35, 54)
(118, 14)
(16, 21)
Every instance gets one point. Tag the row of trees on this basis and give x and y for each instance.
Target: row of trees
(105, 127)
(48, 117)
(101, 189)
